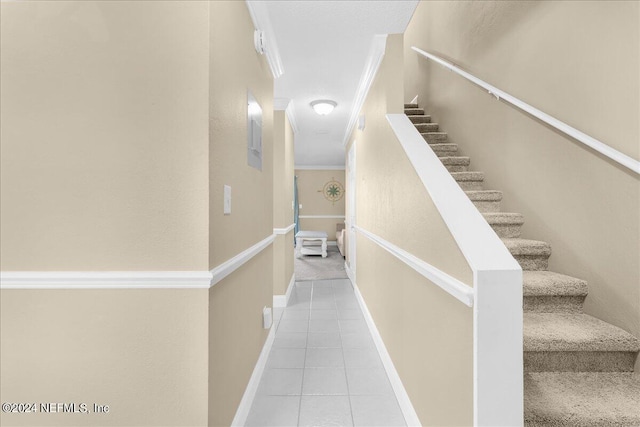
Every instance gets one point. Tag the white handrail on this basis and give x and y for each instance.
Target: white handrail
(449, 284)
(497, 284)
(599, 146)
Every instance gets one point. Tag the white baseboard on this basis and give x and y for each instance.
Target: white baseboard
(281, 301)
(350, 274)
(242, 412)
(409, 413)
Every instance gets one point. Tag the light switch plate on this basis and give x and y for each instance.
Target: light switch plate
(227, 200)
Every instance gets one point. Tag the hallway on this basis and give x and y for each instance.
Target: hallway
(323, 368)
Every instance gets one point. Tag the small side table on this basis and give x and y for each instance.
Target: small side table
(314, 236)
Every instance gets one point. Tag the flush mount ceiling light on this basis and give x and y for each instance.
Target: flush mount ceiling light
(323, 106)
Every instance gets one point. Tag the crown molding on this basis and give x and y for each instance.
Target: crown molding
(320, 167)
(281, 104)
(262, 22)
(376, 53)
(291, 115)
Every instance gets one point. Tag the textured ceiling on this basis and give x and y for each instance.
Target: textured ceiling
(323, 46)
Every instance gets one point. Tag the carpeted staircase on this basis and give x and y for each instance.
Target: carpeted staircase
(578, 369)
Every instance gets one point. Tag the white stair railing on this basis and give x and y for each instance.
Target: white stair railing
(496, 294)
(615, 155)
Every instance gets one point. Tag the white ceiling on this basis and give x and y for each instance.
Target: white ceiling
(323, 47)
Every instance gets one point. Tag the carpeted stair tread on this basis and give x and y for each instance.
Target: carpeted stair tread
(527, 247)
(444, 150)
(530, 254)
(548, 283)
(581, 399)
(420, 119)
(414, 111)
(426, 127)
(504, 218)
(505, 224)
(574, 332)
(435, 137)
(455, 161)
(469, 180)
(410, 106)
(485, 200)
(484, 195)
(468, 176)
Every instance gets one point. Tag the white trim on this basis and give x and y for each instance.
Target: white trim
(449, 284)
(131, 279)
(604, 149)
(349, 272)
(497, 286)
(231, 265)
(376, 53)
(281, 301)
(105, 279)
(498, 382)
(321, 216)
(320, 167)
(284, 230)
(244, 407)
(262, 22)
(414, 100)
(479, 244)
(280, 104)
(291, 115)
(408, 412)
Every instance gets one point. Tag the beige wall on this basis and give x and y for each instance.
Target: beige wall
(235, 314)
(236, 336)
(282, 201)
(428, 333)
(310, 185)
(142, 352)
(121, 122)
(557, 57)
(104, 125)
(237, 67)
(104, 167)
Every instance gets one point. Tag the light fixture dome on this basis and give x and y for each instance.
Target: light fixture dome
(323, 106)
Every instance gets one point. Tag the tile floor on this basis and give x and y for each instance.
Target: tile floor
(324, 369)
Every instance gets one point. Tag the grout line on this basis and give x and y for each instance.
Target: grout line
(306, 346)
(344, 360)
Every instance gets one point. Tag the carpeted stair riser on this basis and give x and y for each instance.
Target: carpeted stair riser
(426, 127)
(530, 262)
(530, 254)
(553, 304)
(549, 292)
(445, 150)
(435, 137)
(486, 201)
(576, 343)
(420, 119)
(581, 399)
(410, 106)
(469, 180)
(506, 225)
(455, 164)
(414, 111)
(579, 361)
